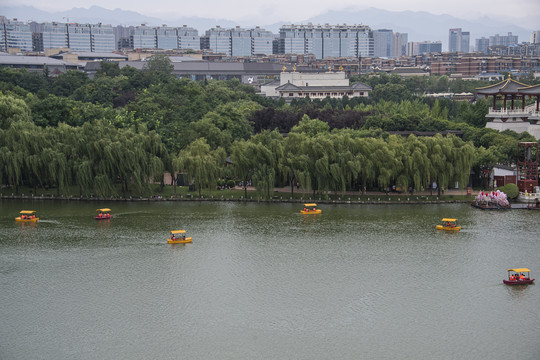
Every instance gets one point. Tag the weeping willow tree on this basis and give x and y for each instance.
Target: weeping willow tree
(450, 158)
(243, 154)
(368, 170)
(202, 166)
(267, 160)
(295, 161)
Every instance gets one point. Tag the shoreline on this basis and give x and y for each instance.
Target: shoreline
(379, 201)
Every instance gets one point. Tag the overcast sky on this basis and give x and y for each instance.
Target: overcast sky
(286, 10)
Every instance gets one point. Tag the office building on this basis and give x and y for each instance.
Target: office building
(102, 38)
(382, 43)
(326, 41)
(166, 38)
(188, 38)
(79, 38)
(55, 35)
(238, 41)
(143, 37)
(218, 40)
(76, 37)
(15, 34)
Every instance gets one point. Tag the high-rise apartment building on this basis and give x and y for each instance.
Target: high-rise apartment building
(423, 47)
(465, 41)
(399, 44)
(458, 40)
(325, 41)
(535, 37)
(15, 34)
(482, 45)
(503, 40)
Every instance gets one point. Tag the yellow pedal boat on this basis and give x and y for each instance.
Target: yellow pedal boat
(448, 225)
(103, 214)
(310, 209)
(178, 237)
(27, 216)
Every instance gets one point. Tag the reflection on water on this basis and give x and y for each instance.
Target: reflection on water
(264, 281)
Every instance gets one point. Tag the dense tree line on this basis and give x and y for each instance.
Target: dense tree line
(124, 127)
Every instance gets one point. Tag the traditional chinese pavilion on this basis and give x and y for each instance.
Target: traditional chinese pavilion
(513, 115)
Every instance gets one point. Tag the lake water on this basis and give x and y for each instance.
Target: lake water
(262, 281)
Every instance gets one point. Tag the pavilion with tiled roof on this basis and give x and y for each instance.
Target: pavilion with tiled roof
(520, 118)
(507, 89)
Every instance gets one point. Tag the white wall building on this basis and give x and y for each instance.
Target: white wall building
(315, 86)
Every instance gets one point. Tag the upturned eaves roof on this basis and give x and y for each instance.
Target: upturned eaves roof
(530, 90)
(508, 86)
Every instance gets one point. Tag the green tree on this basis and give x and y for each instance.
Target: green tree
(159, 67)
(12, 110)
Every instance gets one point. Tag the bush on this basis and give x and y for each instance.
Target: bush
(511, 190)
(230, 184)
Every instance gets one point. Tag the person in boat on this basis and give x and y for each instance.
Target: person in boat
(521, 277)
(172, 237)
(184, 237)
(512, 277)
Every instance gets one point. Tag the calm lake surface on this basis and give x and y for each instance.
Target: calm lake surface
(262, 281)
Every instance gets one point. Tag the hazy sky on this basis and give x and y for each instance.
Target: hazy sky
(286, 10)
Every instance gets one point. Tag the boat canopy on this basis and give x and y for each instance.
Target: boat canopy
(178, 231)
(520, 270)
(310, 205)
(446, 219)
(28, 212)
(104, 210)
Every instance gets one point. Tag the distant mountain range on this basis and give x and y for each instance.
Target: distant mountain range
(419, 25)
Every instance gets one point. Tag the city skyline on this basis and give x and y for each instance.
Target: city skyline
(245, 11)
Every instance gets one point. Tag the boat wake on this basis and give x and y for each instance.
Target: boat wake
(49, 221)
